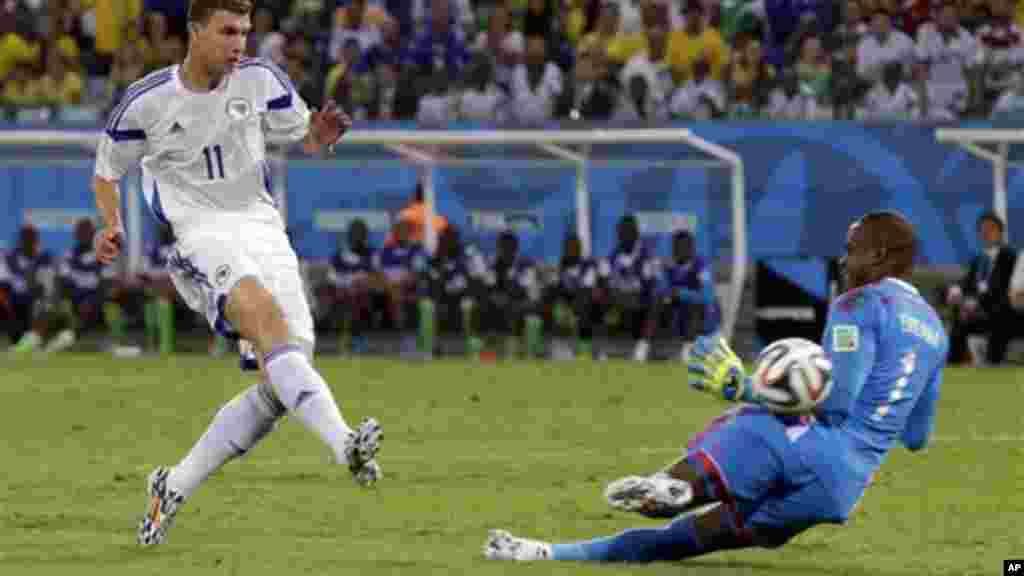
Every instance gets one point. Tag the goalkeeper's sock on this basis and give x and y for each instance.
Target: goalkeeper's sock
(115, 320)
(236, 428)
(534, 336)
(676, 541)
(165, 321)
(149, 322)
(425, 334)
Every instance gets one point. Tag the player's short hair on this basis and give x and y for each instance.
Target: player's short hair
(199, 11)
(893, 234)
(993, 218)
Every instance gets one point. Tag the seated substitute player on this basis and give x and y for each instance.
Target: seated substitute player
(348, 290)
(510, 294)
(689, 292)
(761, 478)
(26, 282)
(629, 279)
(199, 130)
(449, 286)
(83, 287)
(399, 265)
(572, 297)
(154, 288)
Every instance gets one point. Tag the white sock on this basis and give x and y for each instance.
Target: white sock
(236, 429)
(306, 396)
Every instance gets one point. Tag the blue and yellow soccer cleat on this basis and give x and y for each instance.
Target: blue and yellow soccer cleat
(161, 507)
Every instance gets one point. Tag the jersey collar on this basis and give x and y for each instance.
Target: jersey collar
(902, 284)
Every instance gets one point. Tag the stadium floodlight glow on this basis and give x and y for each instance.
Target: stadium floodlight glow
(972, 140)
(421, 147)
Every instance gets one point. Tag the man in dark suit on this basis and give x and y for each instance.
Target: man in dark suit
(980, 301)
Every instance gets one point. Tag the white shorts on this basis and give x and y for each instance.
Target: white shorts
(208, 263)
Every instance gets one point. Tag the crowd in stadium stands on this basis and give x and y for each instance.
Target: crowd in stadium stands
(526, 62)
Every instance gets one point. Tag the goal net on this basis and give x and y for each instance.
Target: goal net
(543, 185)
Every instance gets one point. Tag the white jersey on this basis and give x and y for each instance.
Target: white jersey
(203, 155)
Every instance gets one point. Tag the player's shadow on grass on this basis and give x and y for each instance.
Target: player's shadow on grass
(706, 567)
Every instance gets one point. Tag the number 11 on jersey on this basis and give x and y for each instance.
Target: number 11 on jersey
(209, 155)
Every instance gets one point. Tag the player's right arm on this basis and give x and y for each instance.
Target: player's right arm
(922, 417)
(120, 149)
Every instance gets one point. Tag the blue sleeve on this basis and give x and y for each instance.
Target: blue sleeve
(706, 294)
(851, 342)
(922, 417)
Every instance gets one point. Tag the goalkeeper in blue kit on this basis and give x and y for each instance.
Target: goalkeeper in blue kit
(756, 477)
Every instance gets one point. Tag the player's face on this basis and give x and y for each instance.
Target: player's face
(29, 242)
(508, 248)
(859, 259)
(221, 41)
(682, 249)
(990, 233)
(573, 249)
(84, 232)
(627, 233)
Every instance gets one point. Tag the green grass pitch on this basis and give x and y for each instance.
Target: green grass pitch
(527, 447)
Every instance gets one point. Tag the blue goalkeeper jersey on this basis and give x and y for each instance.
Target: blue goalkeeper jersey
(888, 349)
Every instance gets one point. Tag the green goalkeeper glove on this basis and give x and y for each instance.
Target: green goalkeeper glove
(713, 367)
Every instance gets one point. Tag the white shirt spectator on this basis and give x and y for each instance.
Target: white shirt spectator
(798, 106)
(689, 99)
(434, 111)
(461, 11)
(872, 56)
(367, 36)
(535, 104)
(1004, 44)
(881, 103)
(477, 106)
(629, 16)
(658, 75)
(947, 59)
(943, 104)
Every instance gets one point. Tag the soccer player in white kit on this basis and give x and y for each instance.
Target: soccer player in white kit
(198, 129)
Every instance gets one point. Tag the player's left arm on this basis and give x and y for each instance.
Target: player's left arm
(289, 117)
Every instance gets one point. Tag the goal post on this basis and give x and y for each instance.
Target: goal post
(993, 146)
(424, 149)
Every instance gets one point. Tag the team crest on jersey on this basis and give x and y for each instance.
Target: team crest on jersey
(238, 109)
(845, 338)
(222, 274)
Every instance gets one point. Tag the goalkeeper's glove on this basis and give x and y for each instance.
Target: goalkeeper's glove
(713, 367)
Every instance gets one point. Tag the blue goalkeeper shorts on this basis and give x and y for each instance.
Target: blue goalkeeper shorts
(777, 475)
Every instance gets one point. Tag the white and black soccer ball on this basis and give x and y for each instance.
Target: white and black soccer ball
(794, 375)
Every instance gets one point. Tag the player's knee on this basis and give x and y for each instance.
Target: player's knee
(255, 314)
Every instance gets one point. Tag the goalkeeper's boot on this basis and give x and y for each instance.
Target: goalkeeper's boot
(162, 505)
(658, 496)
(362, 447)
(504, 546)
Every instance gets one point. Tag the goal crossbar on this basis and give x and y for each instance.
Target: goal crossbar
(414, 146)
(971, 140)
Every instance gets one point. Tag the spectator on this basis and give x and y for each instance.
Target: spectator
(931, 97)
(1011, 102)
(949, 50)
(436, 106)
(1002, 48)
(881, 46)
(159, 294)
(752, 79)
(26, 282)
(694, 42)
(701, 97)
(814, 70)
(262, 27)
(980, 301)
(591, 93)
(62, 85)
(509, 57)
(689, 292)
(481, 100)
(891, 98)
(609, 37)
(787, 21)
(354, 24)
(788, 102)
(536, 86)
(652, 64)
(440, 46)
(166, 17)
(114, 19)
(628, 279)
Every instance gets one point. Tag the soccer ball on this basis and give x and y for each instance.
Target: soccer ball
(793, 375)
